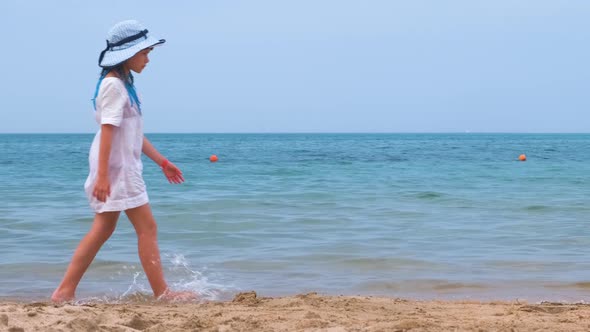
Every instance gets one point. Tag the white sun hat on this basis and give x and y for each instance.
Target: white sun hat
(124, 40)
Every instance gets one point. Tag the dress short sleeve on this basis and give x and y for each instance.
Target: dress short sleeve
(111, 101)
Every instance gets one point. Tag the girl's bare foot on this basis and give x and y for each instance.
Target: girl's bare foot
(60, 296)
(174, 296)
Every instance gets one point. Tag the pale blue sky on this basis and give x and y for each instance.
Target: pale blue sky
(308, 65)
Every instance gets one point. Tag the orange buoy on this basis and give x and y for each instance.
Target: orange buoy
(213, 158)
(522, 157)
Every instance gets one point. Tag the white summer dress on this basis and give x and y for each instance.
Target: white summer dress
(125, 167)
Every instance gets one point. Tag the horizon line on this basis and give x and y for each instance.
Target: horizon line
(305, 132)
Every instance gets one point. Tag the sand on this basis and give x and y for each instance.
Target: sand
(308, 312)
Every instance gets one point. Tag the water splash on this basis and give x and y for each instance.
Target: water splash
(135, 287)
(179, 274)
(182, 277)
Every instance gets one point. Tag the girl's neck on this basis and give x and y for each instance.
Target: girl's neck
(112, 73)
(115, 73)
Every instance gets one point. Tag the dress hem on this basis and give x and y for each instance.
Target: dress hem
(121, 205)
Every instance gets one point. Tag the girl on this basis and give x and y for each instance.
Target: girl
(115, 181)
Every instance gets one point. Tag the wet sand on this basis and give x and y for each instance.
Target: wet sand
(307, 312)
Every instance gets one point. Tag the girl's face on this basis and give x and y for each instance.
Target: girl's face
(138, 62)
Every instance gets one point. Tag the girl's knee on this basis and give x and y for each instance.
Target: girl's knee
(106, 223)
(148, 228)
(105, 230)
(100, 234)
(109, 226)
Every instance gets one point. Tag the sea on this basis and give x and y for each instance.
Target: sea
(421, 216)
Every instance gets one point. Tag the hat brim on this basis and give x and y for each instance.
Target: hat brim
(114, 58)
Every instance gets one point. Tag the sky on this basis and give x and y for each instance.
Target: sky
(307, 65)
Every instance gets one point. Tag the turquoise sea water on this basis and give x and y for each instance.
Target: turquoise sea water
(451, 216)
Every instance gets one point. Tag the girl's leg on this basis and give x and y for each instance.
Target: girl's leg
(103, 226)
(147, 244)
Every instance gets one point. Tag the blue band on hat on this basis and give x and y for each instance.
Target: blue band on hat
(128, 39)
(121, 42)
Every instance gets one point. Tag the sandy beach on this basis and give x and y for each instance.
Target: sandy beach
(306, 312)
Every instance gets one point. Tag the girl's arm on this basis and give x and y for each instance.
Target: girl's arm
(173, 174)
(151, 152)
(102, 187)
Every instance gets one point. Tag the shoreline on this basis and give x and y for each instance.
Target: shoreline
(305, 312)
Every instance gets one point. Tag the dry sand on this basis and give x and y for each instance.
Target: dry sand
(309, 312)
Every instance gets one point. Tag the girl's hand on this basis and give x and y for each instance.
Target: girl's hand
(172, 173)
(102, 188)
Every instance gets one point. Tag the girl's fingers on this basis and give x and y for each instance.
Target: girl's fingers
(174, 176)
(175, 179)
(101, 195)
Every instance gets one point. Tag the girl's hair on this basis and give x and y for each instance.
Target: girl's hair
(127, 79)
